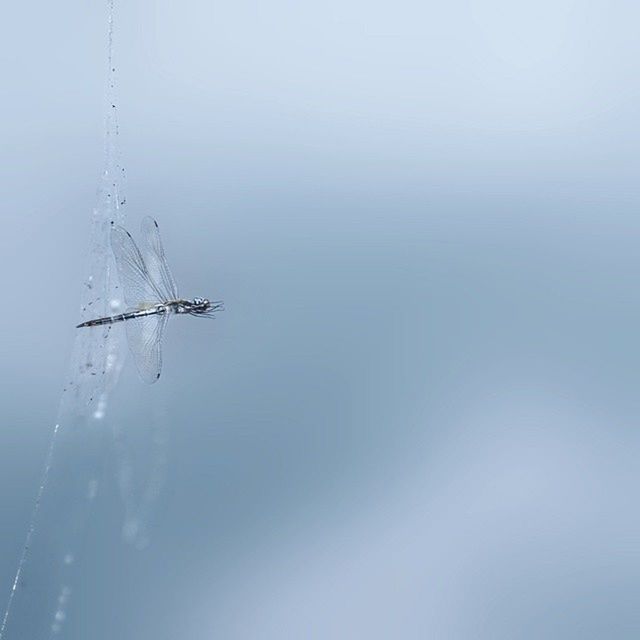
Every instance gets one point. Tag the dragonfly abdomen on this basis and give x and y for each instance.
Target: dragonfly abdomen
(120, 317)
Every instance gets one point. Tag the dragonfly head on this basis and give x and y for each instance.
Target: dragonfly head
(199, 305)
(202, 306)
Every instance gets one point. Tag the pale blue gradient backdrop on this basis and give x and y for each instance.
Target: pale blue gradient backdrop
(418, 417)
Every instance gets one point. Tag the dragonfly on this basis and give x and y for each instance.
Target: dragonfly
(151, 295)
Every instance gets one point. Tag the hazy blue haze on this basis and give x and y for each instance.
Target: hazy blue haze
(418, 416)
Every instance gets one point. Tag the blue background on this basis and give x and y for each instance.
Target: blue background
(418, 416)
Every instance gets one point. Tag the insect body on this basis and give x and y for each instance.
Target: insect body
(152, 296)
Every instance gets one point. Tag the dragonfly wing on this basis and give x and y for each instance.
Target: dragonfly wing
(145, 343)
(155, 259)
(139, 286)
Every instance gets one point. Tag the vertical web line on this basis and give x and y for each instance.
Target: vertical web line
(31, 529)
(96, 359)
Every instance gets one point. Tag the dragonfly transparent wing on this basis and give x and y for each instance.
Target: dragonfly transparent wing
(139, 286)
(144, 335)
(155, 260)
